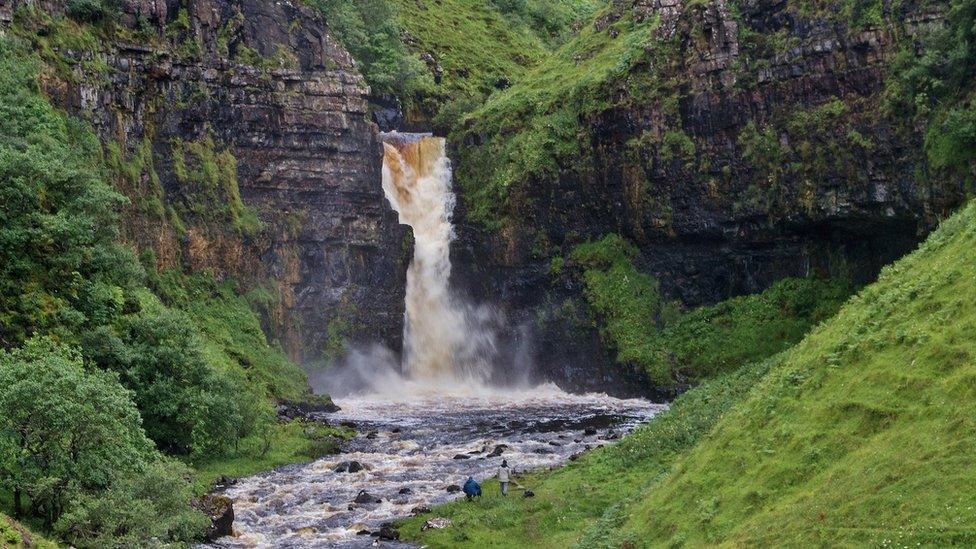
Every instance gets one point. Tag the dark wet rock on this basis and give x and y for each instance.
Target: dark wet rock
(589, 431)
(554, 443)
(462, 456)
(395, 430)
(404, 491)
(372, 434)
(577, 440)
(528, 494)
(575, 457)
(349, 467)
(347, 423)
(363, 533)
(453, 489)
(498, 450)
(542, 451)
(220, 510)
(364, 497)
(224, 481)
(420, 510)
(388, 531)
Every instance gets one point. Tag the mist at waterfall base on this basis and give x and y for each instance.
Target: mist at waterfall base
(447, 409)
(450, 345)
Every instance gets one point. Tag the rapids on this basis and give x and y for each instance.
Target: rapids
(412, 444)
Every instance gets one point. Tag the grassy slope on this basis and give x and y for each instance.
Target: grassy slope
(863, 434)
(471, 41)
(14, 535)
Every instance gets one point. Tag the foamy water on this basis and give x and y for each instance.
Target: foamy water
(409, 447)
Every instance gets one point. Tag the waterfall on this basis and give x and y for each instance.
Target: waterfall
(445, 340)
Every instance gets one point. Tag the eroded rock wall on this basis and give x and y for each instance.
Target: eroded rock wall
(263, 88)
(750, 143)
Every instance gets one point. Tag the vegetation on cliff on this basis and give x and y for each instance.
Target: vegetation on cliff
(674, 345)
(859, 435)
(110, 365)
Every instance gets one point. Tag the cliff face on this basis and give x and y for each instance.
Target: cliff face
(239, 130)
(745, 143)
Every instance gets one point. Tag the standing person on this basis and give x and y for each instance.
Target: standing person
(503, 477)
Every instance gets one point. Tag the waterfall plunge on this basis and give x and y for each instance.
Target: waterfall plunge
(445, 341)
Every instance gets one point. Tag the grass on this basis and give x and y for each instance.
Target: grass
(864, 435)
(672, 345)
(860, 435)
(533, 129)
(14, 535)
(233, 338)
(286, 443)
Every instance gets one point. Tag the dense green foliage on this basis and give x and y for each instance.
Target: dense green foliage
(106, 359)
(63, 430)
(14, 535)
(61, 270)
(674, 345)
(442, 59)
(369, 29)
(152, 503)
(937, 86)
(591, 492)
(860, 435)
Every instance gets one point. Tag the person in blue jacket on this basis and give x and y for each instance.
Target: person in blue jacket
(471, 488)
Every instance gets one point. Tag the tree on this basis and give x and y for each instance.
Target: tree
(187, 406)
(63, 429)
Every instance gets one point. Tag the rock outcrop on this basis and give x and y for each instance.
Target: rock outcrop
(261, 93)
(742, 147)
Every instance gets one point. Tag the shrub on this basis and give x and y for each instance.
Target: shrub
(155, 503)
(87, 11)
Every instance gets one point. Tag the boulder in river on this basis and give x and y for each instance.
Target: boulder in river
(437, 523)
(420, 510)
(542, 451)
(499, 450)
(349, 467)
(404, 491)
(453, 489)
(462, 456)
(364, 497)
(388, 531)
(589, 431)
(363, 533)
(220, 510)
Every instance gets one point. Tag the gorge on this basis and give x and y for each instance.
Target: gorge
(658, 254)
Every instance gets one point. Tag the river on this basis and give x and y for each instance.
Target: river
(413, 450)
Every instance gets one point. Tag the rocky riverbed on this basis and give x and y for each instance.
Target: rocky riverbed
(416, 452)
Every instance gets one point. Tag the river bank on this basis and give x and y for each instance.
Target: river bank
(416, 453)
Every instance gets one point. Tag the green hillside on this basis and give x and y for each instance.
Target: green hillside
(861, 435)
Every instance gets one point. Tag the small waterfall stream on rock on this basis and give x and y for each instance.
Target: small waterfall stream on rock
(426, 424)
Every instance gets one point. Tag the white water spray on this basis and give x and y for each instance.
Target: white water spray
(445, 341)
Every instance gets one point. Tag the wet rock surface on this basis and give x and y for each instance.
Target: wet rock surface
(308, 158)
(220, 510)
(412, 463)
